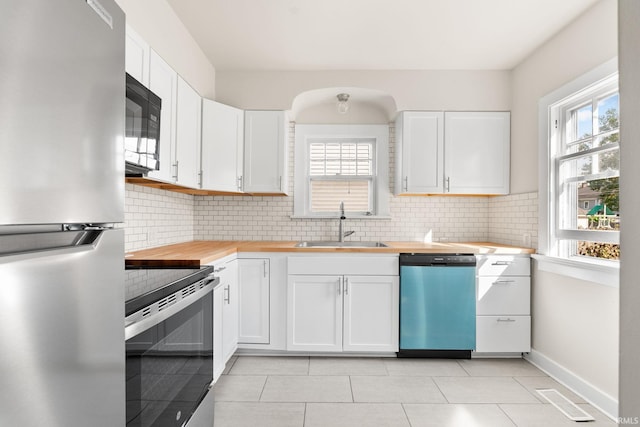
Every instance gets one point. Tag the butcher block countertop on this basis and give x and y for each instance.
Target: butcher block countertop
(198, 252)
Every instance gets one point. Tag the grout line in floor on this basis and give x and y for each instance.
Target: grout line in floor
(405, 414)
(264, 385)
(353, 400)
(304, 415)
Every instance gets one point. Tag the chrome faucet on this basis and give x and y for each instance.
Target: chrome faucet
(341, 233)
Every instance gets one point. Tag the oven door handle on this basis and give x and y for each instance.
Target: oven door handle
(137, 327)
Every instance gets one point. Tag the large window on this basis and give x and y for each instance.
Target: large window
(584, 165)
(341, 163)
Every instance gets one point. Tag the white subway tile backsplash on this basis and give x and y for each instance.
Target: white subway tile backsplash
(156, 217)
(513, 219)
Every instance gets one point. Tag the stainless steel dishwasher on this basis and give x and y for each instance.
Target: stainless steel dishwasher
(437, 305)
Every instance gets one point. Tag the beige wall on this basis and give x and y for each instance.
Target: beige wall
(588, 42)
(166, 34)
(575, 323)
(411, 90)
(630, 201)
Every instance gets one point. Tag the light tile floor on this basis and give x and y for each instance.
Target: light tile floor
(388, 392)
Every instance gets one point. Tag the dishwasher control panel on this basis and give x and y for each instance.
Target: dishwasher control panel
(461, 260)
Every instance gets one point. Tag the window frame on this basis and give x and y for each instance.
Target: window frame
(377, 134)
(550, 257)
(560, 113)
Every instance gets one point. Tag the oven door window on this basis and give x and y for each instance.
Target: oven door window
(170, 367)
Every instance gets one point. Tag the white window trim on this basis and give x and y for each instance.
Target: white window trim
(380, 133)
(597, 271)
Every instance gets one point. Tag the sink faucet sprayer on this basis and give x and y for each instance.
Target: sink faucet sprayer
(341, 233)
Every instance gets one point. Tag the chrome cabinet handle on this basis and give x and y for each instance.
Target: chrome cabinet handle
(406, 183)
(227, 298)
(503, 282)
(448, 185)
(280, 184)
(239, 179)
(175, 165)
(346, 286)
(508, 319)
(219, 269)
(502, 263)
(200, 178)
(264, 266)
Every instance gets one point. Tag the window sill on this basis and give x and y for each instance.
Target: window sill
(591, 271)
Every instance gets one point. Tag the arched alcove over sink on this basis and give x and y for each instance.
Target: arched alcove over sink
(366, 106)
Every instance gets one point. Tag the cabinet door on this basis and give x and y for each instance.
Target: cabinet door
(371, 313)
(218, 332)
(419, 152)
(163, 81)
(137, 52)
(222, 146)
(253, 297)
(189, 105)
(265, 152)
(477, 152)
(314, 313)
(230, 310)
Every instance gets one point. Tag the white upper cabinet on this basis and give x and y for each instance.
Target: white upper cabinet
(163, 81)
(222, 147)
(189, 109)
(265, 152)
(419, 152)
(477, 152)
(452, 152)
(137, 54)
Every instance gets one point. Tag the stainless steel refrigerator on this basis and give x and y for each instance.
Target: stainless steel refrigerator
(62, 98)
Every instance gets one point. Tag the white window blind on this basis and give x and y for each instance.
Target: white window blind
(341, 170)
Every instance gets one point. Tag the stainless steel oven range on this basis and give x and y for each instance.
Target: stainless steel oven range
(169, 346)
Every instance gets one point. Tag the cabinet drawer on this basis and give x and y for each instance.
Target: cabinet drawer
(344, 265)
(499, 265)
(503, 334)
(503, 295)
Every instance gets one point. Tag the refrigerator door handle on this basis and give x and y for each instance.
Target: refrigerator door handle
(18, 244)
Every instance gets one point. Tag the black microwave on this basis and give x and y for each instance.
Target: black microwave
(142, 129)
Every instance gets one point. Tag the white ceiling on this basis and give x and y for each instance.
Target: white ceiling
(373, 34)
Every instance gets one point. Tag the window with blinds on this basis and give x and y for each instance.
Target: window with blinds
(341, 170)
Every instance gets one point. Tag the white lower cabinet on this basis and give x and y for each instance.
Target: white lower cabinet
(503, 334)
(218, 359)
(371, 313)
(254, 293)
(314, 311)
(503, 304)
(225, 314)
(342, 312)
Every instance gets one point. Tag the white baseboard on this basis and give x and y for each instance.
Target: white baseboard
(596, 397)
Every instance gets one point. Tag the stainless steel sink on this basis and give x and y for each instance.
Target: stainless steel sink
(332, 244)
